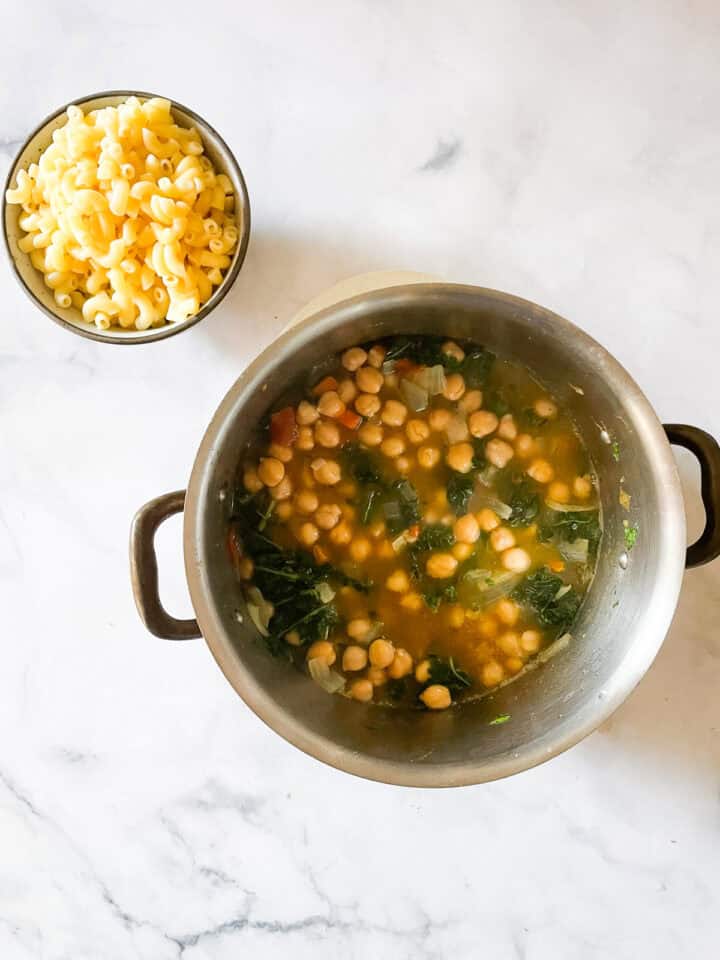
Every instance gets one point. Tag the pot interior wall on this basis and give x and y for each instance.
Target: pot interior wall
(625, 614)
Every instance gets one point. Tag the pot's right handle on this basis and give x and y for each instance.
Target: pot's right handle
(144, 572)
(707, 451)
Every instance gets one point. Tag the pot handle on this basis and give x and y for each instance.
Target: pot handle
(707, 451)
(144, 572)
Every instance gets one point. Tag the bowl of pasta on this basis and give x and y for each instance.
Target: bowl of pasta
(126, 217)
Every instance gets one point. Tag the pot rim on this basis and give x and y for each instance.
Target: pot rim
(670, 546)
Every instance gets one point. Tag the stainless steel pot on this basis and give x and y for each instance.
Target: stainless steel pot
(621, 625)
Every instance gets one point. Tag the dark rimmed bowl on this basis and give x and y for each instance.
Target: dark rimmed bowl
(31, 280)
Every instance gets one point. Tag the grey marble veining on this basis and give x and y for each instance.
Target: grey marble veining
(567, 152)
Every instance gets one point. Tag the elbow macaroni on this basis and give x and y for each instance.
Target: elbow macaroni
(126, 218)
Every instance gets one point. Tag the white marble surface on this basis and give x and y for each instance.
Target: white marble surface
(566, 151)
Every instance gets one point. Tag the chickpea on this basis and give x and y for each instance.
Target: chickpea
(252, 481)
(376, 676)
(422, 671)
(452, 349)
(306, 502)
(271, 471)
(393, 413)
(401, 665)
(498, 452)
(541, 471)
(482, 423)
(370, 434)
(327, 434)
(398, 581)
(391, 380)
(392, 446)
(354, 358)
(327, 516)
(466, 529)
(460, 457)
(354, 658)
(487, 519)
(377, 529)
(492, 674)
(559, 491)
(282, 490)
(530, 641)
(513, 665)
(439, 419)
(440, 498)
(306, 413)
(507, 429)
(545, 408)
(369, 380)
(307, 477)
(440, 566)
(341, 535)
(502, 539)
(347, 391)
(456, 617)
(367, 404)
(376, 356)
(293, 638)
(245, 568)
(487, 627)
(308, 534)
(359, 628)
(454, 386)
(582, 487)
(322, 650)
(360, 549)
(326, 472)
(385, 550)
(382, 653)
(306, 439)
(361, 690)
(436, 697)
(471, 401)
(509, 643)
(330, 404)
(412, 601)
(284, 510)
(417, 431)
(281, 453)
(428, 457)
(404, 465)
(347, 489)
(507, 612)
(461, 551)
(524, 446)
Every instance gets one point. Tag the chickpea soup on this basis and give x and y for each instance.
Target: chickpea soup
(418, 526)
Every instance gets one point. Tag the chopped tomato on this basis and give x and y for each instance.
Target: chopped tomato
(403, 366)
(319, 554)
(327, 383)
(557, 566)
(234, 547)
(283, 428)
(350, 419)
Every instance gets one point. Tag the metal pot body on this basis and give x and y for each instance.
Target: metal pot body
(625, 615)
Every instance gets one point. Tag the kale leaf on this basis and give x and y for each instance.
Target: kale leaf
(435, 536)
(362, 465)
(448, 674)
(572, 525)
(540, 591)
(476, 366)
(459, 490)
(434, 596)
(525, 504)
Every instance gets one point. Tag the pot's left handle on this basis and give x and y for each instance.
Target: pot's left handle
(144, 572)
(707, 451)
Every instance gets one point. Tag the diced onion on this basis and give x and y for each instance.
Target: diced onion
(576, 552)
(481, 498)
(259, 610)
(326, 678)
(456, 430)
(565, 588)
(415, 397)
(475, 591)
(325, 592)
(431, 379)
(399, 543)
(570, 507)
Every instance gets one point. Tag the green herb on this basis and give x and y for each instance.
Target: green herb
(631, 532)
(530, 418)
(361, 465)
(435, 536)
(435, 596)
(448, 674)
(525, 504)
(497, 404)
(476, 366)
(459, 490)
(367, 503)
(479, 461)
(615, 449)
(397, 689)
(401, 507)
(571, 526)
(540, 590)
(503, 718)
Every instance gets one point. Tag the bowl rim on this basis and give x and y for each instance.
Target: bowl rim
(650, 633)
(169, 330)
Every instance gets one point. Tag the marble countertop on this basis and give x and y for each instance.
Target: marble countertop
(567, 152)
